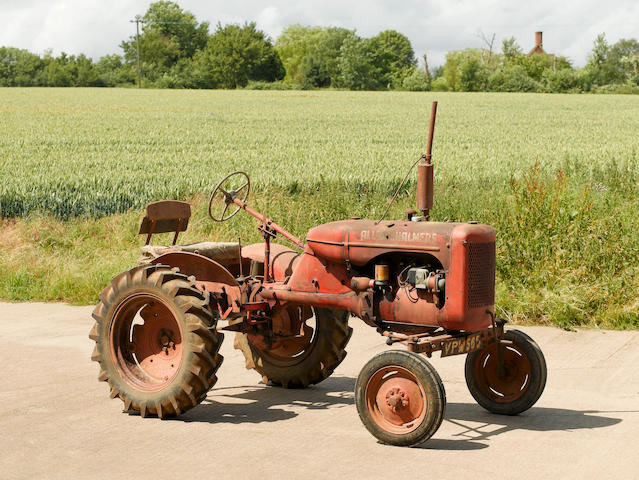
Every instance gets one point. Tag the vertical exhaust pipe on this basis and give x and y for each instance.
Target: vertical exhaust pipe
(425, 171)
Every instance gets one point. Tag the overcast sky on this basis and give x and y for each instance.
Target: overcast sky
(96, 27)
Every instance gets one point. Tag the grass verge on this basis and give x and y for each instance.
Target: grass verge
(567, 248)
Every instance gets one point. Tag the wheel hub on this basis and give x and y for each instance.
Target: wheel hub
(146, 342)
(507, 382)
(166, 342)
(395, 399)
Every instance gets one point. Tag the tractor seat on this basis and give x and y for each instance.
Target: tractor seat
(165, 216)
(221, 252)
(173, 216)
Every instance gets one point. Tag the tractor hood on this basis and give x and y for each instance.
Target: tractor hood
(359, 241)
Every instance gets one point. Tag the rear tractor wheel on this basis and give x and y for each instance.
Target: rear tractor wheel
(305, 359)
(156, 341)
(400, 398)
(517, 385)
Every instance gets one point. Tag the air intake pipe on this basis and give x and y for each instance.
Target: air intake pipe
(425, 171)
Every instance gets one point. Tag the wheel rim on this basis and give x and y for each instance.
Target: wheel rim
(396, 400)
(146, 342)
(509, 385)
(292, 351)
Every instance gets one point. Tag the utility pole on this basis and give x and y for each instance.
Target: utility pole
(137, 20)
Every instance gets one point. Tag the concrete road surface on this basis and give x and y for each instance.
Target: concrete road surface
(57, 421)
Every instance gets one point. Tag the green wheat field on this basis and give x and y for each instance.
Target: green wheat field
(557, 175)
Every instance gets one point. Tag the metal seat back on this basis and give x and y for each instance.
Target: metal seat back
(165, 216)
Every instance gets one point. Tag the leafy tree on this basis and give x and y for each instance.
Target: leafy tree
(416, 81)
(314, 72)
(357, 68)
(293, 46)
(451, 71)
(564, 80)
(329, 49)
(393, 57)
(473, 75)
(168, 34)
(236, 54)
(623, 59)
(439, 85)
(534, 64)
(57, 72)
(20, 68)
(511, 49)
(468, 62)
(112, 71)
(310, 55)
(84, 72)
(598, 65)
(437, 72)
(513, 78)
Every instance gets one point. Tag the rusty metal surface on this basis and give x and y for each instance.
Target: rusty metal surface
(512, 384)
(147, 354)
(168, 210)
(360, 241)
(425, 188)
(449, 343)
(165, 216)
(431, 131)
(480, 280)
(201, 267)
(395, 400)
(271, 224)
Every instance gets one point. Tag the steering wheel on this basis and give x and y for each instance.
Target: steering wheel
(225, 190)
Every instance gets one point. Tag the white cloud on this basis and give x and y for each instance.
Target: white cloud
(96, 27)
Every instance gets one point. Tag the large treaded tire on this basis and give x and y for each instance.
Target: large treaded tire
(523, 383)
(326, 352)
(198, 360)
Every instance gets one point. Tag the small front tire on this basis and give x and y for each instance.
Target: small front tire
(400, 398)
(521, 382)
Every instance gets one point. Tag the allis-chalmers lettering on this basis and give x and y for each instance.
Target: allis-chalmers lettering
(397, 236)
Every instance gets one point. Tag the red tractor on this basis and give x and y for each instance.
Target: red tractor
(427, 285)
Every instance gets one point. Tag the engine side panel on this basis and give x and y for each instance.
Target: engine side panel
(465, 251)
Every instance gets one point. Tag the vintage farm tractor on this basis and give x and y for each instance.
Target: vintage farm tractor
(427, 285)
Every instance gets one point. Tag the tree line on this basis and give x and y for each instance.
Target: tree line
(177, 51)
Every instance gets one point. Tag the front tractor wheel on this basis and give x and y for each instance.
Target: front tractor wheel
(515, 385)
(400, 398)
(305, 359)
(156, 341)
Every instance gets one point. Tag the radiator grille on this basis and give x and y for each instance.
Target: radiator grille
(481, 274)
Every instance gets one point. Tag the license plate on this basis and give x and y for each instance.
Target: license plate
(457, 346)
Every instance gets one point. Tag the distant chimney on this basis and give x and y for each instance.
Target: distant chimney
(538, 39)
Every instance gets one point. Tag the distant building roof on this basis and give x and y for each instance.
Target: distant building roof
(539, 48)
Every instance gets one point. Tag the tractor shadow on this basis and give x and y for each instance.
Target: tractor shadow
(478, 425)
(262, 403)
(473, 425)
